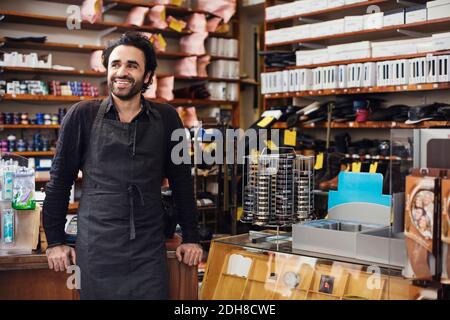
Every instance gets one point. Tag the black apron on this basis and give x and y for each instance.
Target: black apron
(120, 243)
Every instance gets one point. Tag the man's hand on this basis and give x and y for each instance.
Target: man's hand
(59, 257)
(190, 253)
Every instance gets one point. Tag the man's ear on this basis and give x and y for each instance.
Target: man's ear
(148, 78)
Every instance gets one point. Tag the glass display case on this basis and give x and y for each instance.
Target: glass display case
(264, 266)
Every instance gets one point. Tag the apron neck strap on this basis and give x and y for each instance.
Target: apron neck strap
(102, 110)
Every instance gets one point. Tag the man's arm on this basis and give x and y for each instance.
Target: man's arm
(180, 181)
(63, 173)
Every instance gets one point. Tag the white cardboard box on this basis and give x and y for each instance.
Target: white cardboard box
(320, 56)
(305, 79)
(342, 77)
(441, 41)
(317, 79)
(353, 24)
(438, 9)
(394, 18)
(370, 74)
(304, 57)
(433, 63)
(393, 48)
(444, 68)
(373, 21)
(416, 14)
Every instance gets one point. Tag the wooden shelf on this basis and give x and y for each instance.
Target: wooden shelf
(430, 26)
(383, 89)
(345, 62)
(28, 126)
(50, 98)
(47, 98)
(84, 73)
(368, 125)
(345, 8)
(35, 153)
(195, 102)
(87, 48)
(56, 46)
(128, 4)
(52, 21)
(91, 73)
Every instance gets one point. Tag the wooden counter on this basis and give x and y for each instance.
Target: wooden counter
(27, 277)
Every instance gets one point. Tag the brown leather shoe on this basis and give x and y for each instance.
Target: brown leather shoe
(333, 182)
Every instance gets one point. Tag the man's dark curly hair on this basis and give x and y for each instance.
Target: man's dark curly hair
(137, 40)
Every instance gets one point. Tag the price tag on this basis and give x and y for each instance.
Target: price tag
(290, 137)
(239, 213)
(272, 146)
(356, 167)
(210, 147)
(162, 42)
(319, 161)
(176, 25)
(177, 3)
(373, 167)
(163, 14)
(265, 122)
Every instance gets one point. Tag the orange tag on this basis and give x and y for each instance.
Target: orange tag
(224, 28)
(319, 161)
(177, 3)
(265, 122)
(177, 25)
(373, 167)
(163, 14)
(162, 42)
(290, 137)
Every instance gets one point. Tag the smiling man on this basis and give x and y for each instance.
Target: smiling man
(122, 145)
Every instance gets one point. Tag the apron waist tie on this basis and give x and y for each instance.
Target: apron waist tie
(131, 194)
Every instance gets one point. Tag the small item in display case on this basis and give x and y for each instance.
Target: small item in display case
(7, 181)
(9, 118)
(24, 119)
(420, 219)
(8, 222)
(23, 189)
(39, 118)
(326, 284)
(4, 145)
(47, 119)
(21, 145)
(37, 142)
(11, 143)
(445, 228)
(45, 144)
(55, 119)
(291, 279)
(17, 118)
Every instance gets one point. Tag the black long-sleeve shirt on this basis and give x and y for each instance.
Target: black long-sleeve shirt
(71, 149)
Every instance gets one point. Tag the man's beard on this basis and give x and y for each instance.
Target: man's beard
(134, 88)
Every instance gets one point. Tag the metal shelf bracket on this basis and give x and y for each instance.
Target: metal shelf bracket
(104, 33)
(413, 34)
(311, 45)
(108, 6)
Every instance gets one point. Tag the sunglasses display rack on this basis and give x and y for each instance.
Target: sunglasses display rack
(278, 189)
